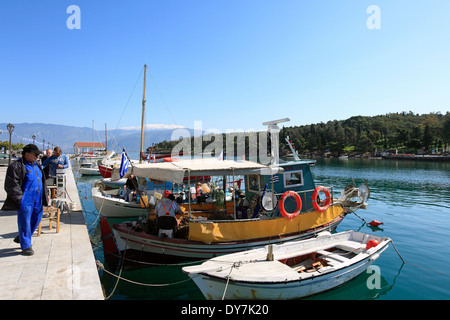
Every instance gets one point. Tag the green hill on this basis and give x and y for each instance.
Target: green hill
(406, 132)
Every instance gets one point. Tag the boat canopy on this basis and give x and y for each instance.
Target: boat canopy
(176, 171)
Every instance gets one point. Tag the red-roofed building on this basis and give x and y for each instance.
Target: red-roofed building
(88, 147)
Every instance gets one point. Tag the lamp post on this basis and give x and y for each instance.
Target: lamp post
(10, 127)
(34, 138)
(43, 145)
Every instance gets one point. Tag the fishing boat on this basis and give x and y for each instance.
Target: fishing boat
(288, 271)
(284, 207)
(279, 203)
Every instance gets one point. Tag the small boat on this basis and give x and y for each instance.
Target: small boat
(113, 184)
(110, 205)
(288, 271)
(89, 169)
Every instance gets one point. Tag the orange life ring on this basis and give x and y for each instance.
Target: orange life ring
(327, 200)
(297, 199)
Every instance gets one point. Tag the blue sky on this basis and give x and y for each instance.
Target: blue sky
(231, 64)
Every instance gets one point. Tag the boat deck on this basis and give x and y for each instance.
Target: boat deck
(63, 265)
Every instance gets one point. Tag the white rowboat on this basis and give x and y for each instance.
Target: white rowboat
(297, 269)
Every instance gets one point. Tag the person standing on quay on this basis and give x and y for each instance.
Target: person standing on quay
(48, 154)
(26, 191)
(56, 161)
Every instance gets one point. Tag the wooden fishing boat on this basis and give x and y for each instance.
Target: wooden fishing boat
(290, 211)
(288, 271)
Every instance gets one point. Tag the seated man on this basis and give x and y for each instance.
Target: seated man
(165, 212)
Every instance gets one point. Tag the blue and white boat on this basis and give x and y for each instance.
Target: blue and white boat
(288, 271)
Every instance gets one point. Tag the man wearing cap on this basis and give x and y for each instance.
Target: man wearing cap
(26, 191)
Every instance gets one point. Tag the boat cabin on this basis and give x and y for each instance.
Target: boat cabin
(293, 176)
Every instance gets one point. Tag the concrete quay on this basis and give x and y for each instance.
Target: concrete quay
(63, 265)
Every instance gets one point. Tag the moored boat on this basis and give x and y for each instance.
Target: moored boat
(283, 200)
(89, 169)
(288, 271)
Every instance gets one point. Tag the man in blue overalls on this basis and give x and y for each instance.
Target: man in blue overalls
(27, 193)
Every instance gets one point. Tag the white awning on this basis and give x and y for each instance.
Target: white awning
(176, 171)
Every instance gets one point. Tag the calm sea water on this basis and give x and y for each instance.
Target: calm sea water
(412, 199)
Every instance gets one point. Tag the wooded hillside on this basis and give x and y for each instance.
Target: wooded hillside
(407, 132)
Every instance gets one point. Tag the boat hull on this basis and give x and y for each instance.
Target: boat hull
(116, 208)
(252, 275)
(89, 171)
(127, 238)
(214, 288)
(105, 171)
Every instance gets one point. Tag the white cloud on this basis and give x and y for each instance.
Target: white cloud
(155, 126)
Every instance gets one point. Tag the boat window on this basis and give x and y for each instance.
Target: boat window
(293, 178)
(253, 183)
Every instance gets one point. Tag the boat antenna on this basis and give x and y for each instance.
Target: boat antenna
(294, 152)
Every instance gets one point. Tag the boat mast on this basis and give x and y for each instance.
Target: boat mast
(93, 139)
(106, 138)
(143, 112)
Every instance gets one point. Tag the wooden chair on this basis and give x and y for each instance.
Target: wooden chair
(53, 216)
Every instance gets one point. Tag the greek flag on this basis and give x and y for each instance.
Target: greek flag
(123, 164)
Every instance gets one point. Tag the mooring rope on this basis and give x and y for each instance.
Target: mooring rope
(138, 283)
(404, 261)
(228, 280)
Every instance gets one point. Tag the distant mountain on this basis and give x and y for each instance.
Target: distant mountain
(66, 136)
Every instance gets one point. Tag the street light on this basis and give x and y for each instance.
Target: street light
(34, 138)
(10, 127)
(43, 145)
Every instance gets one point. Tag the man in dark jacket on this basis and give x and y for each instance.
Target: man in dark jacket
(27, 193)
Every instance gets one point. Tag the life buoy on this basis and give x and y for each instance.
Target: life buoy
(286, 195)
(315, 203)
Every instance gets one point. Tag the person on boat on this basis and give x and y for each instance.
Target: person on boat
(27, 193)
(168, 206)
(242, 206)
(56, 161)
(165, 213)
(130, 188)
